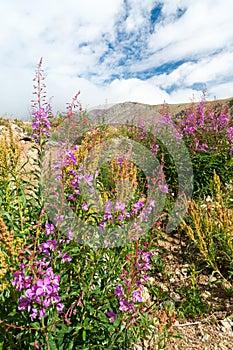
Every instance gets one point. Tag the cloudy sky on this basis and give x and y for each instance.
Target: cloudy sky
(115, 51)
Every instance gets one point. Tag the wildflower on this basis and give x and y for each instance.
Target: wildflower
(102, 225)
(154, 148)
(108, 206)
(72, 172)
(70, 234)
(112, 316)
(84, 206)
(43, 287)
(66, 258)
(49, 229)
(152, 203)
(25, 304)
(46, 302)
(108, 216)
(31, 293)
(36, 344)
(88, 178)
(60, 307)
(125, 306)
(145, 261)
(49, 244)
(231, 151)
(138, 205)
(68, 158)
(71, 197)
(42, 313)
(34, 314)
(41, 123)
(137, 297)
(119, 206)
(21, 281)
(163, 188)
(119, 291)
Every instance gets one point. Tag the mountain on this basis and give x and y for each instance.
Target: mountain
(123, 112)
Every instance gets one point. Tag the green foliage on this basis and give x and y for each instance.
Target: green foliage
(59, 291)
(87, 281)
(209, 225)
(208, 134)
(192, 303)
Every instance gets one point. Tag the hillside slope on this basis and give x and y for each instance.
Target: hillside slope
(125, 111)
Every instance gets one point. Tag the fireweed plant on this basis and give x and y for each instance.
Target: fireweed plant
(208, 133)
(62, 293)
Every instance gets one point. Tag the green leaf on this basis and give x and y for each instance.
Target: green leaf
(52, 343)
(13, 313)
(36, 324)
(71, 344)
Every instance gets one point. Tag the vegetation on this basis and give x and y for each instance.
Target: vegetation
(80, 254)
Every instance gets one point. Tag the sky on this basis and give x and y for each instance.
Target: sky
(115, 51)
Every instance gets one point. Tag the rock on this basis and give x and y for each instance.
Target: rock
(206, 337)
(137, 347)
(226, 325)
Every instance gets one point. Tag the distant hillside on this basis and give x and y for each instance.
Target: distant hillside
(125, 111)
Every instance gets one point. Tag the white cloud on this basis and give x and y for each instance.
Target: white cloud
(209, 71)
(205, 27)
(221, 91)
(137, 91)
(101, 48)
(185, 95)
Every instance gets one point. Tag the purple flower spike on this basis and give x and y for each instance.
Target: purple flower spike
(41, 123)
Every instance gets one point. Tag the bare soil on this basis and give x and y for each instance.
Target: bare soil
(210, 331)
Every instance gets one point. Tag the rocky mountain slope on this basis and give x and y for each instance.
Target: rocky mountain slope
(122, 112)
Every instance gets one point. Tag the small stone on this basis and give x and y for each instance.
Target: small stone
(200, 332)
(170, 257)
(213, 278)
(206, 294)
(222, 346)
(137, 347)
(227, 324)
(206, 337)
(145, 294)
(175, 296)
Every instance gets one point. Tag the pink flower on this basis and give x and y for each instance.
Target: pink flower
(84, 206)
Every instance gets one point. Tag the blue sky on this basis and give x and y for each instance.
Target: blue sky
(115, 51)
